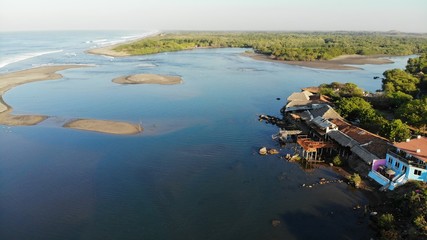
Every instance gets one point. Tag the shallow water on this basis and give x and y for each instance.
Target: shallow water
(193, 173)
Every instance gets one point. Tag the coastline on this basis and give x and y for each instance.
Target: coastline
(10, 80)
(108, 50)
(338, 63)
(148, 79)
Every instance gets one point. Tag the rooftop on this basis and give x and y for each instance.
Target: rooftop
(326, 112)
(304, 95)
(370, 141)
(311, 89)
(411, 147)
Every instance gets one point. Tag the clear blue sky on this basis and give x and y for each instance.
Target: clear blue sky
(370, 15)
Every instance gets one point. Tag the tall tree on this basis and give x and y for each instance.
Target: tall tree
(398, 80)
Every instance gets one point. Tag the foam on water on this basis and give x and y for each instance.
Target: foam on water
(24, 56)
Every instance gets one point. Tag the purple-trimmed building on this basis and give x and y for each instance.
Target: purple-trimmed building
(406, 161)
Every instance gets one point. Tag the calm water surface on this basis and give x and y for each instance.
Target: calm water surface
(193, 173)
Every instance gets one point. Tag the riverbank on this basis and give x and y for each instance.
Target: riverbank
(148, 79)
(10, 80)
(338, 63)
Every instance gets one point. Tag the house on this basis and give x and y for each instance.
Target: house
(358, 142)
(305, 100)
(406, 161)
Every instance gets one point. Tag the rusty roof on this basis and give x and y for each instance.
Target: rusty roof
(411, 147)
(370, 141)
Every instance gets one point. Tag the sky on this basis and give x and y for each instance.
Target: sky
(252, 15)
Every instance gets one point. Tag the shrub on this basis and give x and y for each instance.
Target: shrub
(337, 161)
(390, 234)
(386, 221)
(355, 180)
(421, 223)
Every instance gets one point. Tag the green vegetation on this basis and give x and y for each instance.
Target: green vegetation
(337, 161)
(299, 46)
(337, 90)
(386, 221)
(355, 180)
(404, 97)
(405, 214)
(406, 92)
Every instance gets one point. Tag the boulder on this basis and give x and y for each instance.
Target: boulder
(275, 223)
(273, 151)
(263, 151)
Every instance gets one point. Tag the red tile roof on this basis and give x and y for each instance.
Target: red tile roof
(412, 145)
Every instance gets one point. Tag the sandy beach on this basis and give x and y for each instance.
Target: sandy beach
(148, 79)
(104, 126)
(10, 80)
(108, 51)
(338, 63)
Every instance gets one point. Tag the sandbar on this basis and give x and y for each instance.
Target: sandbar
(104, 126)
(10, 80)
(338, 63)
(148, 79)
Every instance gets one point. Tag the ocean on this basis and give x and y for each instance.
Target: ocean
(194, 173)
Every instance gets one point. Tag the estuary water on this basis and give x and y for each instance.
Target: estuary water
(194, 173)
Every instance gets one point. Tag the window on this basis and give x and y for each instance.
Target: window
(390, 160)
(404, 169)
(397, 164)
(417, 172)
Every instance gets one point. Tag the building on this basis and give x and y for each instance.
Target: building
(316, 118)
(404, 162)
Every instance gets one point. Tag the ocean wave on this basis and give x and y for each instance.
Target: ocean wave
(97, 41)
(108, 42)
(24, 56)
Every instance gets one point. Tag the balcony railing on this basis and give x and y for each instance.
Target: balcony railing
(411, 161)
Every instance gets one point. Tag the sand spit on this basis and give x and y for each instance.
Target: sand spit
(103, 126)
(148, 79)
(108, 51)
(10, 80)
(338, 63)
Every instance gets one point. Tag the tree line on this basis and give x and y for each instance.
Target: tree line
(289, 46)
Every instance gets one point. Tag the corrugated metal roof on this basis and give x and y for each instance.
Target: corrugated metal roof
(321, 122)
(342, 139)
(296, 103)
(304, 95)
(364, 154)
(326, 112)
(346, 141)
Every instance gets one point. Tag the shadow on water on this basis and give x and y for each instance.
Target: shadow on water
(329, 221)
